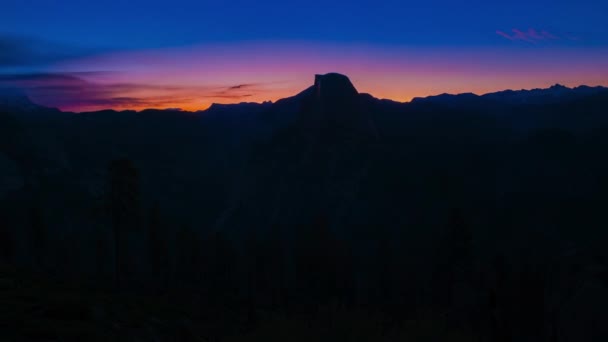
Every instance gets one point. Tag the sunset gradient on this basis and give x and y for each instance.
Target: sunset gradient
(189, 54)
(192, 78)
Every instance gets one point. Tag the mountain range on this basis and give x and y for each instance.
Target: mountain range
(328, 149)
(521, 175)
(329, 120)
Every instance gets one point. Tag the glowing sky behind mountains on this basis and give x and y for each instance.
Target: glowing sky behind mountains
(187, 54)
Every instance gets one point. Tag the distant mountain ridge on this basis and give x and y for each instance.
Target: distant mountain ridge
(15, 99)
(330, 150)
(333, 86)
(553, 94)
(337, 86)
(522, 170)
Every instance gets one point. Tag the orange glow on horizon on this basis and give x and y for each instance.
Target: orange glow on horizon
(193, 78)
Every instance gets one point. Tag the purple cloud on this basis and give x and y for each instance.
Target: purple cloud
(236, 92)
(504, 35)
(548, 35)
(520, 35)
(530, 36)
(573, 37)
(74, 91)
(535, 35)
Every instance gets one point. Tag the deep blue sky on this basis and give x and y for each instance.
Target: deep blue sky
(153, 23)
(87, 54)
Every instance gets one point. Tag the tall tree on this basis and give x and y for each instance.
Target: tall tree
(38, 235)
(453, 258)
(345, 277)
(386, 272)
(275, 258)
(188, 268)
(316, 262)
(266, 268)
(123, 205)
(220, 263)
(459, 244)
(158, 248)
(7, 247)
(102, 256)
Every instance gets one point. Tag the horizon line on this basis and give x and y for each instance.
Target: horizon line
(549, 85)
(359, 93)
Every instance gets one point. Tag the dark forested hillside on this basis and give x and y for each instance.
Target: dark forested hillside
(328, 214)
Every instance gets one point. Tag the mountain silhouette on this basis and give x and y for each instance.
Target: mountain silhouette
(16, 100)
(554, 94)
(510, 171)
(333, 92)
(333, 107)
(334, 87)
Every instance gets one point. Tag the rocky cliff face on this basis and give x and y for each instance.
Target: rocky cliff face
(334, 87)
(333, 109)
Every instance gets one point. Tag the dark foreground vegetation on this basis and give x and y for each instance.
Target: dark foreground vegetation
(328, 216)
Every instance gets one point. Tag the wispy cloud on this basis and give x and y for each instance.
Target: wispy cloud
(532, 36)
(20, 51)
(241, 86)
(549, 35)
(504, 35)
(237, 92)
(74, 91)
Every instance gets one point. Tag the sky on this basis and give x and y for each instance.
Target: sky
(88, 55)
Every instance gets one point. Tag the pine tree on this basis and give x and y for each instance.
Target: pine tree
(38, 235)
(276, 258)
(158, 248)
(454, 259)
(188, 257)
(500, 301)
(220, 261)
(266, 267)
(316, 263)
(123, 206)
(460, 244)
(7, 247)
(345, 288)
(385, 268)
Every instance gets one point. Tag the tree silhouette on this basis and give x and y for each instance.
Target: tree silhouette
(253, 290)
(276, 257)
(460, 244)
(345, 278)
(38, 235)
(266, 268)
(529, 300)
(102, 255)
(454, 259)
(219, 264)
(317, 263)
(386, 272)
(7, 247)
(123, 205)
(158, 248)
(500, 301)
(188, 257)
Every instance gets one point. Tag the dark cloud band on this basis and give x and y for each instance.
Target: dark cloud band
(76, 90)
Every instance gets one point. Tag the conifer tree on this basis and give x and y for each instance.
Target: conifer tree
(158, 248)
(38, 235)
(123, 205)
